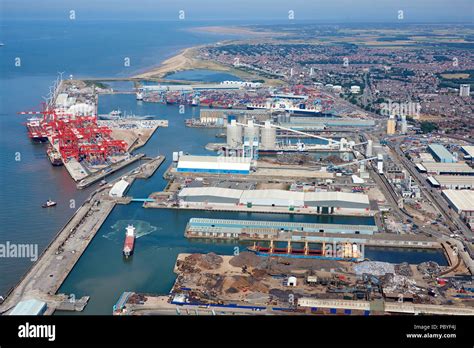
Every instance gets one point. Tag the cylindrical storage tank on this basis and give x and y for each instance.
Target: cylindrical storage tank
(251, 132)
(268, 136)
(234, 135)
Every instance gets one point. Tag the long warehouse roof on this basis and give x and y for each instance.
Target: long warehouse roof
(337, 196)
(454, 179)
(459, 167)
(462, 199)
(214, 159)
(210, 191)
(275, 194)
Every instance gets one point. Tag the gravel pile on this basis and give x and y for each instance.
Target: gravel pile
(376, 268)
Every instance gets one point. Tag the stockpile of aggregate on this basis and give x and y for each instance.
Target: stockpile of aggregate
(376, 268)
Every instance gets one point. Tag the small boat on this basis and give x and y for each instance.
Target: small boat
(49, 203)
(102, 183)
(129, 243)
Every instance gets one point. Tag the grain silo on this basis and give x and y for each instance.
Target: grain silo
(251, 133)
(234, 135)
(268, 136)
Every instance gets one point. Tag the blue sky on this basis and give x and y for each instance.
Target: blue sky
(251, 10)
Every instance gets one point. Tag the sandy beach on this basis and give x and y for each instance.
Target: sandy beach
(185, 60)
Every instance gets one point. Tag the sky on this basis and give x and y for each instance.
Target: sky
(432, 11)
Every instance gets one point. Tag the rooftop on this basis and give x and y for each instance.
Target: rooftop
(462, 199)
(469, 149)
(441, 152)
(454, 179)
(29, 307)
(214, 159)
(210, 191)
(459, 167)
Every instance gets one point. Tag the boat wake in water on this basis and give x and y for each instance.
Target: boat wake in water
(142, 228)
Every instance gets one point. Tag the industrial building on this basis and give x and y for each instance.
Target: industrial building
(303, 121)
(441, 154)
(322, 202)
(273, 198)
(452, 182)
(29, 307)
(216, 195)
(328, 202)
(469, 152)
(214, 164)
(235, 228)
(459, 168)
(462, 201)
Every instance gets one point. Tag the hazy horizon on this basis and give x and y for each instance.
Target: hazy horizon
(338, 11)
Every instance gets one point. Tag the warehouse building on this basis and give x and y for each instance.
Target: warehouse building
(462, 201)
(441, 154)
(214, 164)
(272, 198)
(322, 202)
(329, 202)
(452, 182)
(118, 189)
(459, 168)
(469, 152)
(217, 195)
(29, 307)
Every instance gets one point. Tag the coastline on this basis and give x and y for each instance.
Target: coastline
(186, 60)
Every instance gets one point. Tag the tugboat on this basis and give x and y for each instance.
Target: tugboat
(49, 203)
(129, 243)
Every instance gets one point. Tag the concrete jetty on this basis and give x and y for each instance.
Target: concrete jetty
(93, 178)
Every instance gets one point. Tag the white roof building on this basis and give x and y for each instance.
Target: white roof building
(461, 200)
(214, 164)
(337, 199)
(448, 168)
(277, 198)
(118, 189)
(29, 307)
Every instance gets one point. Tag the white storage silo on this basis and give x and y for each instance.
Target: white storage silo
(234, 135)
(251, 133)
(268, 136)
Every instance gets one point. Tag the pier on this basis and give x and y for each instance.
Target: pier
(47, 274)
(93, 178)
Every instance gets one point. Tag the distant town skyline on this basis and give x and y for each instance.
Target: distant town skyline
(430, 11)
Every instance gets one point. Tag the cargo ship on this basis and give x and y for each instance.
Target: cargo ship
(35, 131)
(129, 243)
(54, 157)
